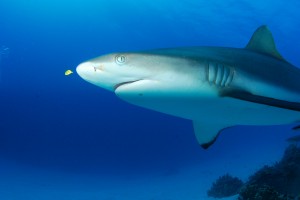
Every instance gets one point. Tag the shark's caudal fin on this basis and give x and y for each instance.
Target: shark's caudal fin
(207, 134)
(262, 41)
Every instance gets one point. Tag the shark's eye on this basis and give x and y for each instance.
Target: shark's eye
(120, 59)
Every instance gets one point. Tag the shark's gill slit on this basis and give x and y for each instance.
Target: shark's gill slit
(219, 75)
(225, 76)
(207, 71)
(230, 77)
(212, 72)
(215, 67)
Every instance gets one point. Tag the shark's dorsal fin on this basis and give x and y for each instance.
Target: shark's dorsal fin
(262, 41)
(207, 134)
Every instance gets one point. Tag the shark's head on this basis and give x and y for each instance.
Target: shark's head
(152, 80)
(137, 74)
(112, 71)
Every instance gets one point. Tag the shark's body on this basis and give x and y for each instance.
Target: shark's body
(215, 87)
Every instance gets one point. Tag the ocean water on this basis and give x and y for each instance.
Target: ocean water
(63, 138)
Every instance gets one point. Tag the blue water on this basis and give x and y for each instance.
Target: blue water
(63, 138)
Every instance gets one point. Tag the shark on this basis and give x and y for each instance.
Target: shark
(214, 87)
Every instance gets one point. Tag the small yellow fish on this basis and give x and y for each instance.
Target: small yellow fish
(68, 72)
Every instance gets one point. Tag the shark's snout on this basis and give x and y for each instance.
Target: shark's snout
(95, 74)
(83, 70)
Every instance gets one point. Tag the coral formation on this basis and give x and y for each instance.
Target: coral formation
(284, 176)
(265, 192)
(225, 186)
(277, 182)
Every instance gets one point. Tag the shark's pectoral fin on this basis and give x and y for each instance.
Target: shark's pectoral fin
(247, 96)
(207, 134)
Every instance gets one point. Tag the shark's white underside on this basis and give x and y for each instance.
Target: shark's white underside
(184, 100)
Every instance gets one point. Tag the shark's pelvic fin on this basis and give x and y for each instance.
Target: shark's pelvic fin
(262, 41)
(207, 134)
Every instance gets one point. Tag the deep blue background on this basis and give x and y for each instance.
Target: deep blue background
(53, 121)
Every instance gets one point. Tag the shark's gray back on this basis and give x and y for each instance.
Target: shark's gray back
(259, 65)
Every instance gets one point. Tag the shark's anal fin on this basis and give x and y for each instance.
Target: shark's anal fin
(262, 41)
(207, 134)
(247, 96)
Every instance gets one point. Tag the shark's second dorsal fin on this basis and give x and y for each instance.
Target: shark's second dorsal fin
(262, 41)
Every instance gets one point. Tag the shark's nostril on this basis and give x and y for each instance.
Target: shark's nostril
(100, 67)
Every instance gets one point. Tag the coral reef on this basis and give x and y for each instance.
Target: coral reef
(284, 176)
(225, 186)
(277, 182)
(265, 192)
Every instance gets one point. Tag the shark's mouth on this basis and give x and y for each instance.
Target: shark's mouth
(125, 83)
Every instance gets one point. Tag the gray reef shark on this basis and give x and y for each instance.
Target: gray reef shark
(215, 87)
